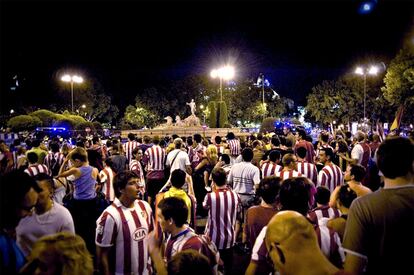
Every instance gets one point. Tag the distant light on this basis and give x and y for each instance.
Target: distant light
(373, 70)
(214, 73)
(359, 70)
(83, 106)
(367, 7)
(11, 111)
(201, 106)
(54, 129)
(64, 129)
(66, 78)
(77, 79)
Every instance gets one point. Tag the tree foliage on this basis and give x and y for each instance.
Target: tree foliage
(23, 123)
(399, 82)
(139, 117)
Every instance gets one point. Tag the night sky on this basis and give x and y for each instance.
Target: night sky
(129, 45)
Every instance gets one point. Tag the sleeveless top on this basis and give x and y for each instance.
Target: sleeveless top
(84, 185)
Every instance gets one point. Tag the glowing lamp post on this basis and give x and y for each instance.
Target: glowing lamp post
(373, 70)
(72, 79)
(225, 73)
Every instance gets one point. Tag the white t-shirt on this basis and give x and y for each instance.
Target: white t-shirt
(180, 161)
(31, 228)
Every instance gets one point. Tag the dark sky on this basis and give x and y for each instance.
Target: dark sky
(128, 45)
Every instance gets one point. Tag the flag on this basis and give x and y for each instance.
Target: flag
(380, 131)
(397, 120)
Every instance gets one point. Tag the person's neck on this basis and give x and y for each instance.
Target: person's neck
(354, 182)
(328, 162)
(321, 205)
(301, 159)
(221, 187)
(343, 210)
(287, 168)
(127, 202)
(267, 205)
(41, 209)
(178, 230)
(397, 182)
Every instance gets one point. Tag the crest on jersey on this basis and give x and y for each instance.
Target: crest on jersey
(139, 234)
(144, 214)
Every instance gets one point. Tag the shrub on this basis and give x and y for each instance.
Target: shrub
(223, 116)
(46, 117)
(212, 106)
(23, 123)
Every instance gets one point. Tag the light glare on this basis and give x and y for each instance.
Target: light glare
(66, 78)
(373, 70)
(359, 70)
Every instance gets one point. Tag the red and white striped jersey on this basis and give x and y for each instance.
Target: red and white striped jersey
(269, 169)
(308, 170)
(223, 205)
(128, 147)
(184, 240)
(330, 176)
(287, 174)
(36, 168)
(259, 251)
(58, 156)
(234, 146)
(107, 178)
(126, 229)
(154, 158)
(323, 212)
(136, 167)
(330, 243)
(220, 149)
(310, 152)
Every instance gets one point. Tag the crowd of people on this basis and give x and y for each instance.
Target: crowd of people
(342, 204)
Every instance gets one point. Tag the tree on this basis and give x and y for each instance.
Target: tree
(139, 117)
(328, 101)
(399, 81)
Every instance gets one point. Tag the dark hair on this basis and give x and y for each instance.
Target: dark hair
(177, 178)
(302, 133)
(131, 136)
(45, 177)
(322, 195)
(79, 154)
(219, 176)
(358, 171)
(247, 154)
(120, 181)
(54, 147)
(147, 139)
(269, 189)
(288, 142)
(217, 139)
(230, 135)
(395, 157)
(32, 157)
(255, 143)
(342, 146)
(346, 195)
(294, 195)
(225, 158)
(301, 152)
(189, 262)
(274, 155)
(329, 153)
(174, 208)
(135, 151)
(197, 138)
(95, 139)
(275, 141)
(13, 188)
(36, 142)
(324, 136)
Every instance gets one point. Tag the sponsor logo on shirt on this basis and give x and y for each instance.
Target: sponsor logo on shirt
(139, 234)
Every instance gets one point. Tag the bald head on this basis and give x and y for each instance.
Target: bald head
(290, 226)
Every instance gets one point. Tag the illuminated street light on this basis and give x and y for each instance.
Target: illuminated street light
(373, 70)
(225, 73)
(72, 79)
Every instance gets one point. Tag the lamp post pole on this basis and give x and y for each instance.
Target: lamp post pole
(365, 93)
(71, 91)
(221, 88)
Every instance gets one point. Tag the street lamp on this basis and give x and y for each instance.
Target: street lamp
(373, 70)
(202, 111)
(225, 73)
(72, 79)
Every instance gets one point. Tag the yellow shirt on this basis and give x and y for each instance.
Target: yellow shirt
(180, 193)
